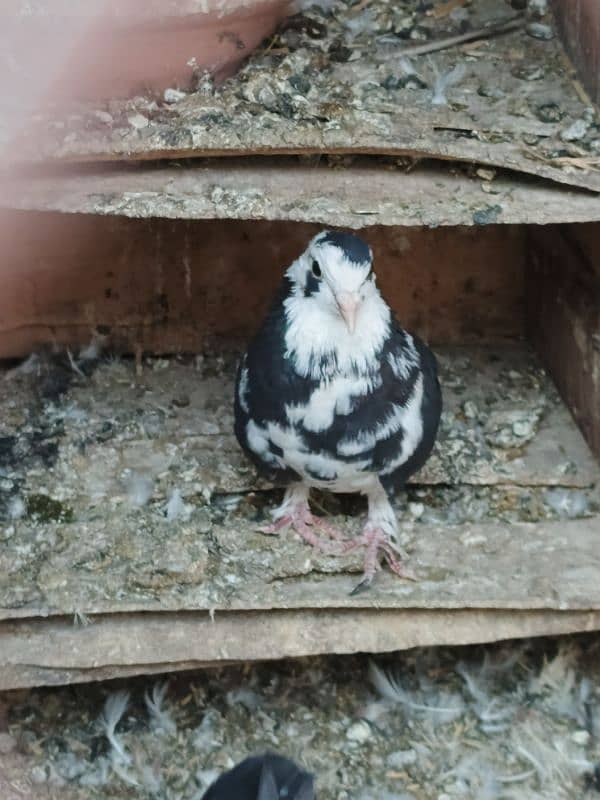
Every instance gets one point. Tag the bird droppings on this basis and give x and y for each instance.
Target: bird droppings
(112, 495)
(576, 131)
(502, 722)
(487, 215)
(540, 31)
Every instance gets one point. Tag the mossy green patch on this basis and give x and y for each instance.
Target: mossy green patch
(43, 508)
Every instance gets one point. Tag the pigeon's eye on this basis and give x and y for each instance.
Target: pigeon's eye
(316, 269)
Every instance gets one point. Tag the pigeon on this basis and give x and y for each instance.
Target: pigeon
(332, 393)
(266, 777)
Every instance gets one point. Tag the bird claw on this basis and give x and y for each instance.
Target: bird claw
(362, 586)
(275, 527)
(302, 520)
(375, 541)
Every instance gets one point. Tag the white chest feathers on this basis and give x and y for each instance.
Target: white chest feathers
(320, 345)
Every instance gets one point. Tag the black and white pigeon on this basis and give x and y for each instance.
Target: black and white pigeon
(333, 393)
(266, 777)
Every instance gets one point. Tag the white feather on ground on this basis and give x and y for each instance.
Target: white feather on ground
(176, 508)
(160, 718)
(543, 754)
(31, 366)
(139, 488)
(93, 350)
(445, 80)
(114, 708)
(448, 705)
(485, 703)
(206, 733)
(556, 759)
(245, 697)
(16, 508)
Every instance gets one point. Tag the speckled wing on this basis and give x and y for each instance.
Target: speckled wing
(265, 385)
(425, 400)
(337, 432)
(390, 427)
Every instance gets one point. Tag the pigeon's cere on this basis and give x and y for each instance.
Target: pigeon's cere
(332, 393)
(268, 777)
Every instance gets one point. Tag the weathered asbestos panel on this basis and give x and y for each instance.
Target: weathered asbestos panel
(513, 106)
(503, 516)
(53, 652)
(364, 192)
(94, 569)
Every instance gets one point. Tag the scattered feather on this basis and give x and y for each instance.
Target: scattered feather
(448, 707)
(16, 508)
(475, 777)
(93, 350)
(81, 619)
(444, 80)
(555, 759)
(74, 365)
(176, 508)
(160, 718)
(567, 503)
(139, 487)
(99, 776)
(245, 697)
(31, 366)
(206, 737)
(114, 708)
(148, 775)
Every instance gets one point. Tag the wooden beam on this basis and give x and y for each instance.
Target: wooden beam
(563, 316)
(579, 25)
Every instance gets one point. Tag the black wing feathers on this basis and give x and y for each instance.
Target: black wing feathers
(266, 777)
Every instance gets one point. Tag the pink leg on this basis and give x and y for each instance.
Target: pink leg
(376, 538)
(294, 512)
(331, 530)
(375, 541)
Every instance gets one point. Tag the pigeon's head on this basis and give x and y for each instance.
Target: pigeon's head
(335, 272)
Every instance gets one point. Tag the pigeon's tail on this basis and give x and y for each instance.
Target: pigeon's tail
(266, 777)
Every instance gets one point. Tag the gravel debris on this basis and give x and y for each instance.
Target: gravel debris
(524, 725)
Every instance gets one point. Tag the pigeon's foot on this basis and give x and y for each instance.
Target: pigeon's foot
(375, 541)
(304, 522)
(377, 538)
(294, 512)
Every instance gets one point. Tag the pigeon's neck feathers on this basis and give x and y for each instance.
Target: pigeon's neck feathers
(320, 345)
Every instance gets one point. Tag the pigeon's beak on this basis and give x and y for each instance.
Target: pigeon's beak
(348, 303)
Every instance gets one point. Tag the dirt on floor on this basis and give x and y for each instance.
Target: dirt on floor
(516, 720)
